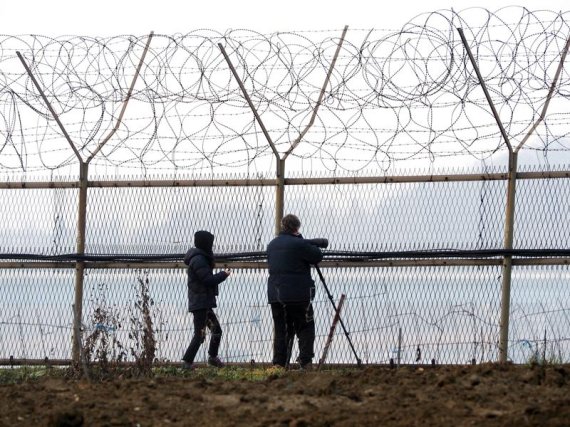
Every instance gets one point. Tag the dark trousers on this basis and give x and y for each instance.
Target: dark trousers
(289, 320)
(203, 319)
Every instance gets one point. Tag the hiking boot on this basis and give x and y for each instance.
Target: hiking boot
(306, 366)
(188, 366)
(215, 361)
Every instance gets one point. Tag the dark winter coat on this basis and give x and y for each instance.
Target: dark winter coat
(202, 282)
(290, 257)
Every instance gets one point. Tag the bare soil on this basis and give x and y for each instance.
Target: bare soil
(482, 395)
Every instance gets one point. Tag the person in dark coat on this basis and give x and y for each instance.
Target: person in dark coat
(290, 291)
(202, 292)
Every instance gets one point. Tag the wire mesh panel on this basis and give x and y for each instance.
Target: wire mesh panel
(542, 212)
(407, 314)
(114, 312)
(449, 315)
(413, 314)
(410, 314)
(245, 317)
(402, 216)
(113, 304)
(38, 220)
(36, 313)
(164, 220)
(540, 314)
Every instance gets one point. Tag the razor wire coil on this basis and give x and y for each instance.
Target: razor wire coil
(393, 95)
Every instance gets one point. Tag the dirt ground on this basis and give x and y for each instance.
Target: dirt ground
(482, 395)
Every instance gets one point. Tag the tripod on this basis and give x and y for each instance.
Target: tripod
(291, 337)
(358, 361)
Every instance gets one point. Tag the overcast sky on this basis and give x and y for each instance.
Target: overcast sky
(118, 17)
(115, 17)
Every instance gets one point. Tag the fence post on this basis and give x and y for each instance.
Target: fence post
(82, 214)
(279, 195)
(510, 217)
(80, 265)
(508, 259)
(509, 214)
(82, 209)
(280, 163)
(548, 96)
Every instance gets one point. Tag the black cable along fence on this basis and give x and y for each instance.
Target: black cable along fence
(423, 258)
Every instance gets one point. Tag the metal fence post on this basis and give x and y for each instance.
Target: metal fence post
(80, 265)
(507, 260)
(279, 195)
(83, 180)
(510, 217)
(280, 161)
(82, 214)
(509, 214)
(511, 190)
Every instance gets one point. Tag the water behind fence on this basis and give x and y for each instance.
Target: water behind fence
(411, 311)
(448, 314)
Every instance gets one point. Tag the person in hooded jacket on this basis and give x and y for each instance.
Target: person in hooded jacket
(290, 291)
(202, 292)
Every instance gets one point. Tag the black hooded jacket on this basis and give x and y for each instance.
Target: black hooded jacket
(202, 282)
(290, 257)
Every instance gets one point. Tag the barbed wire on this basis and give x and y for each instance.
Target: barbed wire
(393, 96)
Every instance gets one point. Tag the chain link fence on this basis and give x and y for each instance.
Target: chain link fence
(449, 268)
(409, 310)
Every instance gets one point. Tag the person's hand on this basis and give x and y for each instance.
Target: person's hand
(228, 271)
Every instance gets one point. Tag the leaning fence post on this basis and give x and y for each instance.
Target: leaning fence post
(49, 106)
(125, 102)
(321, 95)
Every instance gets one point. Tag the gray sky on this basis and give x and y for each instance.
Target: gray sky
(115, 17)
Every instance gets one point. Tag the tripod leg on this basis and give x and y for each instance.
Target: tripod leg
(331, 332)
(358, 361)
